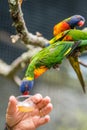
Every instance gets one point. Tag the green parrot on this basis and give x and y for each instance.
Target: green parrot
(60, 33)
(47, 58)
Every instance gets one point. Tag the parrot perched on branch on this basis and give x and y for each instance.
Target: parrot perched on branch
(69, 23)
(47, 58)
(62, 32)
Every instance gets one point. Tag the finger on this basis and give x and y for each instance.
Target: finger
(46, 110)
(11, 105)
(36, 98)
(44, 102)
(43, 120)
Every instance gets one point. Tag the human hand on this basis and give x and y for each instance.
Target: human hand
(28, 120)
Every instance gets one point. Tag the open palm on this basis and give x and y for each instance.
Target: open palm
(28, 120)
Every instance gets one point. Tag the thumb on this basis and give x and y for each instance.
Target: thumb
(11, 105)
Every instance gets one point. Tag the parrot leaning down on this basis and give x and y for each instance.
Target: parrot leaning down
(47, 58)
(69, 23)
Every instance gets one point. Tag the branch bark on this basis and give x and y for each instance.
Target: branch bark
(10, 71)
(19, 23)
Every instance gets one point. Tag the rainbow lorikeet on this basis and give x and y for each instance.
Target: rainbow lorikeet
(69, 23)
(60, 33)
(47, 58)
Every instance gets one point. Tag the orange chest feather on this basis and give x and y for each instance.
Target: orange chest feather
(58, 28)
(39, 71)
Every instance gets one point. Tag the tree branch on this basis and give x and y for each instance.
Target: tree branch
(19, 23)
(10, 71)
(83, 64)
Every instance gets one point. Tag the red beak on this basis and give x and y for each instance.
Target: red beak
(26, 93)
(81, 23)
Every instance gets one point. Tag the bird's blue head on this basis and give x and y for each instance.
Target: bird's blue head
(26, 85)
(76, 20)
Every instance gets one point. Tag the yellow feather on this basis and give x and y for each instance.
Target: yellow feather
(68, 51)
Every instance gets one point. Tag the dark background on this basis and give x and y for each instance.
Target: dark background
(70, 104)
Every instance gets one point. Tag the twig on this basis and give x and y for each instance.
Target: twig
(83, 64)
(17, 80)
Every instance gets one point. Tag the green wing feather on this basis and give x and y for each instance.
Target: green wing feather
(49, 56)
